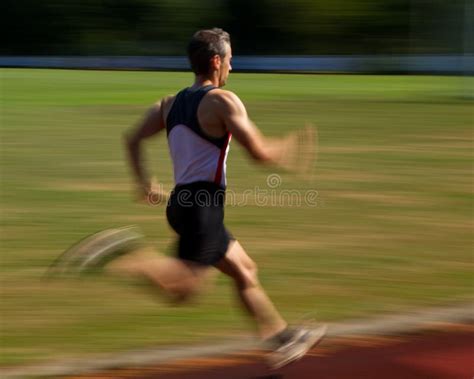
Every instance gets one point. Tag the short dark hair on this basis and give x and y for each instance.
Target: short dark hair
(204, 45)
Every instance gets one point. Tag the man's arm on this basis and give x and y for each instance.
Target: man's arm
(151, 125)
(264, 150)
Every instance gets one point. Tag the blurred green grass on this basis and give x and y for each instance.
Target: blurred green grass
(392, 230)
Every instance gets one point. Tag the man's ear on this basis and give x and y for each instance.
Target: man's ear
(216, 62)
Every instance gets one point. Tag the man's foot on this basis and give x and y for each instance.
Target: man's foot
(93, 252)
(302, 340)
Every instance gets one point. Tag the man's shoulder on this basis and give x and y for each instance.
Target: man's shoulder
(167, 100)
(223, 99)
(165, 104)
(223, 95)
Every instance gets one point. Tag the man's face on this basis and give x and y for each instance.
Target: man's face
(225, 67)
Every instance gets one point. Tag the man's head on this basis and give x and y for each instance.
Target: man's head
(209, 53)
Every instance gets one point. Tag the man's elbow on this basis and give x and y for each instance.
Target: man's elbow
(130, 141)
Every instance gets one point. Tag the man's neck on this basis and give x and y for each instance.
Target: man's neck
(202, 81)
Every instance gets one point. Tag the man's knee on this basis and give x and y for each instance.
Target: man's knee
(184, 289)
(248, 276)
(239, 266)
(181, 297)
(253, 270)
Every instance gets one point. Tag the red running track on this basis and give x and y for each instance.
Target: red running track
(440, 355)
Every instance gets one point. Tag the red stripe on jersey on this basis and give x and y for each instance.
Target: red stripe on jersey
(220, 164)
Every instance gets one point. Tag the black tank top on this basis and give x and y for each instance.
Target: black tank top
(184, 112)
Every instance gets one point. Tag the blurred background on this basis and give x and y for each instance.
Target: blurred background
(151, 27)
(392, 229)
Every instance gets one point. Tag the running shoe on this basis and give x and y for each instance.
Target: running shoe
(303, 339)
(95, 251)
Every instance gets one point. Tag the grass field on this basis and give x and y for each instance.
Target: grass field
(392, 229)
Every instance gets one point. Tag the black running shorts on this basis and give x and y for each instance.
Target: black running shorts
(196, 212)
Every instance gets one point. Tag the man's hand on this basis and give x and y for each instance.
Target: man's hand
(297, 151)
(152, 193)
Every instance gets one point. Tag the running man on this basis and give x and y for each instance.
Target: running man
(199, 122)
